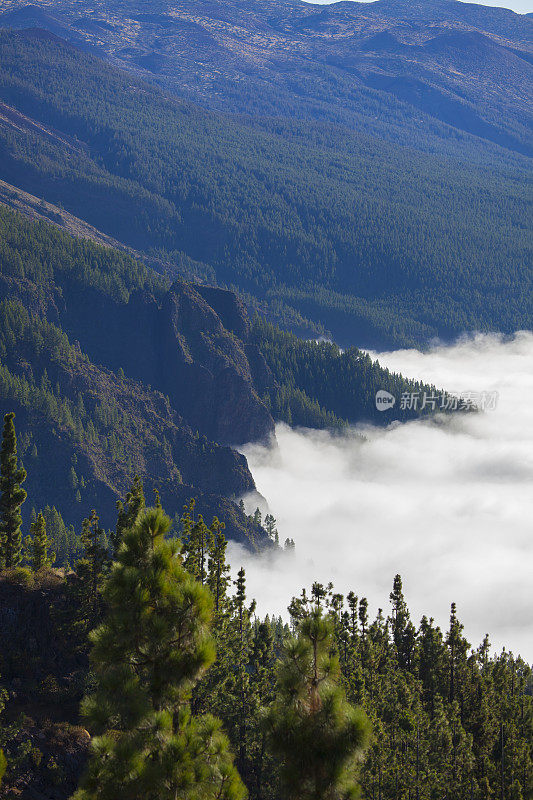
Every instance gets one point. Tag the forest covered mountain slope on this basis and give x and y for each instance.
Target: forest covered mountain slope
(379, 243)
(422, 71)
(359, 171)
(70, 323)
(112, 371)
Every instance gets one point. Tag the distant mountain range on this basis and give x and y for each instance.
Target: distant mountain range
(412, 72)
(328, 225)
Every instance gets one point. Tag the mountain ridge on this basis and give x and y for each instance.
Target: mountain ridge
(377, 243)
(199, 49)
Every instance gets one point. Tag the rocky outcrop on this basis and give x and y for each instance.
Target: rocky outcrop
(187, 390)
(194, 352)
(204, 368)
(230, 309)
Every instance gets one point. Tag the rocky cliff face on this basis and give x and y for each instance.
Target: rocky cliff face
(205, 369)
(182, 347)
(157, 383)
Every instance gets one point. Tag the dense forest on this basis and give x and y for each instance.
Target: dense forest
(189, 694)
(378, 243)
(105, 363)
(436, 75)
(211, 240)
(318, 385)
(86, 429)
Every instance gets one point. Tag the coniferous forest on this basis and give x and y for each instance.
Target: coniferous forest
(187, 693)
(212, 214)
(377, 242)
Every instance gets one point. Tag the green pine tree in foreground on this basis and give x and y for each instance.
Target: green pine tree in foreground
(318, 736)
(148, 654)
(12, 496)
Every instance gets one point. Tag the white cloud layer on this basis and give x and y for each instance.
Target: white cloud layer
(448, 504)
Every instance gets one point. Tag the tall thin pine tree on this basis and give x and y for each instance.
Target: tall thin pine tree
(12, 496)
(40, 557)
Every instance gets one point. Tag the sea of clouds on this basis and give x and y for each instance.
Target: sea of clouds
(447, 503)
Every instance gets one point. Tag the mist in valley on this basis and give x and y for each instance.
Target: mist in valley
(445, 502)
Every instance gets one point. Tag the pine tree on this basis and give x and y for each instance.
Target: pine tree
(270, 527)
(92, 539)
(243, 642)
(73, 479)
(403, 631)
(12, 496)
(317, 735)
(363, 616)
(217, 567)
(151, 649)
(431, 660)
(262, 681)
(40, 559)
(352, 605)
(289, 545)
(85, 587)
(128, 511)
(458, 647)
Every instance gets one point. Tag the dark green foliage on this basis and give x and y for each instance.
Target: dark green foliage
(318, 737)
(403, 630)
(87, 430)
(41, 557)
(85, 585)
(63, 543)
(217, 566)
(374, 241)
(371, 77)
(197, 542)
(240, 682)
(437, 708)
(447, 720)
(66, 542)
(26, 254)
(11, 498)
(152, 648)
(94, 544)
(318, 385)
(128, 512)
(271, 529)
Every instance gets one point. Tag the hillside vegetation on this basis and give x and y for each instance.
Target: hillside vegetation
(113, 372)
(380, 244)
(317, 709)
